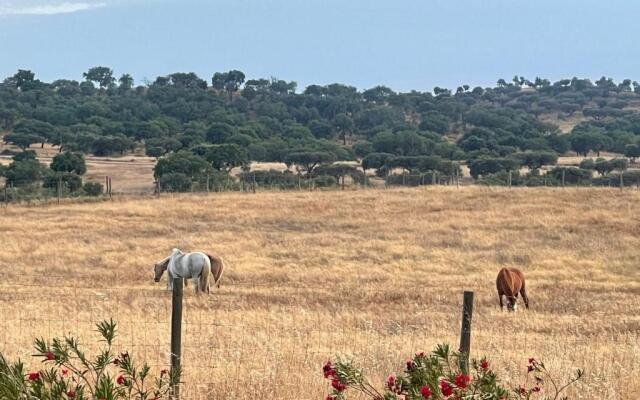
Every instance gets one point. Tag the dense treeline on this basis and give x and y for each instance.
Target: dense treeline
(197, 127)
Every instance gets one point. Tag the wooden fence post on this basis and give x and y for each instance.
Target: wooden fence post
(465, 332)
(207, 183)
(59, 189)
(158, 188)
(621, 181)
(176, 334)
(509, 179)
(563, 177)
(110, 194)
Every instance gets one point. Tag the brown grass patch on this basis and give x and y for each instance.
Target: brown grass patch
(373, 274)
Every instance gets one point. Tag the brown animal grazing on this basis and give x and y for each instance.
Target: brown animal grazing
(510, 282)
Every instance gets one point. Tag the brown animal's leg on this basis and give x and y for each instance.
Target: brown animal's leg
(501, 303)
(523, 292)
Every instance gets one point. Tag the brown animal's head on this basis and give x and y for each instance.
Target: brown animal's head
(158, 270)
(512, 303)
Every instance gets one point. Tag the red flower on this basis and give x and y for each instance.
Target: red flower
(34, 376)
(523, 391)
(331, 397)
(535, 389)
(328, 371)
(530, 368)
(391, 382)
(337, 385)
(71, 394)
(410, 365)
(425, 392)
(121, 380)
(446, 389)
(163, 373)
(420, 355)
(49, 356)
(532, 360)
(462, 381)
(116, 361)
(64, 372)
(484, 364)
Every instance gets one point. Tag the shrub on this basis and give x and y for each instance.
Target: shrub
(284, 180)
(92, 188)
(70, 181)
(324, 181)
(438, 376)
(68, 373)
(575, 176)
(175, 182)
(218, 181)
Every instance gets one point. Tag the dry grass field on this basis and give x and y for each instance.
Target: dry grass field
(375, 275)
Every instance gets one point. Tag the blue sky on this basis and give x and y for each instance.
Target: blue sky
(404, 44)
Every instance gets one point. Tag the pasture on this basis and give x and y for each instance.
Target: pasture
(373, 274)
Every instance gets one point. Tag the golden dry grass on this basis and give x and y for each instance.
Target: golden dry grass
(376, 275)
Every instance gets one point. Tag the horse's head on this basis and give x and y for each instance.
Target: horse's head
(512, 303)
(158, 270)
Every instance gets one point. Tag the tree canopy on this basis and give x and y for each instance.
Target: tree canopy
(239, 120)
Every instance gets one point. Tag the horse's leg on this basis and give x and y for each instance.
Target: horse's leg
(523, 291)
(500, 298)
(196, 284)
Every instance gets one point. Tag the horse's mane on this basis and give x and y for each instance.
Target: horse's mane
(164, 263)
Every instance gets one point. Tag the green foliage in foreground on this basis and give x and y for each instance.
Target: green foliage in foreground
(67, 372)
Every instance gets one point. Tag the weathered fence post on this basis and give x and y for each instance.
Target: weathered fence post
(509, 179)
(176, 334)
(562, 177)
(59, 189)
(110, 194)
(158, 188)
(207, 183)
(465, 331)
(621, 181)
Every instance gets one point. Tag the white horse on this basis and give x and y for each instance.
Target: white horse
(195, 266)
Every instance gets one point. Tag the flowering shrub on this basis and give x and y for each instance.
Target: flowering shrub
(436, 376)
(68, 373)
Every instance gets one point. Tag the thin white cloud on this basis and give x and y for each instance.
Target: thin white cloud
(46, 7)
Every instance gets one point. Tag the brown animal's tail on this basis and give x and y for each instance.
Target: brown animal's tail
(217, 270)
(205, 277)
(220, 270)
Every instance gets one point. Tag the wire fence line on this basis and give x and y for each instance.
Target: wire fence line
(227, 339)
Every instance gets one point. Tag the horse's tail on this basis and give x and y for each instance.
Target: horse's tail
(220, 271)
(205, 276)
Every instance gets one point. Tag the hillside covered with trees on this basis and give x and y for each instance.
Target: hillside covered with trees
(198, 127)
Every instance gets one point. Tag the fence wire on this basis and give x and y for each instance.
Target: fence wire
(234, 344)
